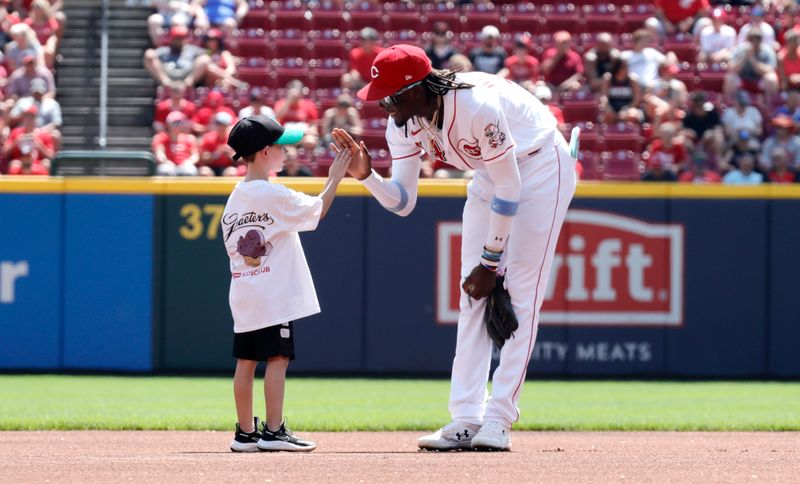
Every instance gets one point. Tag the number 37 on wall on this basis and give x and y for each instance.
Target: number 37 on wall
(193, 215)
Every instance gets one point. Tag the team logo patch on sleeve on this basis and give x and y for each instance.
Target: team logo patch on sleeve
(470, 148)
(496, 137)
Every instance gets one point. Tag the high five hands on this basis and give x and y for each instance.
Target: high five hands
(360, 161)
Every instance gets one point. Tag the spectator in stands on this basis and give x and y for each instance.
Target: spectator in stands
(361, 58)
(598, 60)
(700, 171)
(43, 22)
(225, 14)
(667, 100)
(27, 164)
(702, 125)
(175, 150)
(19, 84)
(7, 20)
(440, 49)
(460, 63)
(256, 105)
(757, 24)
(24, 44)
(344, 116)
(176, 102)
(668, 149)
(544, 94)
(678, 16)
(295, 108)
(716, 40)
(644, 61)
(28, 138)
(742, 117)
(221, 67)
(783, 137)
(744, 143)
(745, 174)
(620, 95)
(172, 13)
(177, 63)
(213, 104)
(490, 55)
(522, 67)
(48, 110)
(562, 66)
(789, 61)
(292, 165)
(659, 172)
(791, 105)
(781, 172)
(216, 157)
(753, 67)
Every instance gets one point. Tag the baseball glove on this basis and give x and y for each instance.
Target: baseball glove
(501, 322)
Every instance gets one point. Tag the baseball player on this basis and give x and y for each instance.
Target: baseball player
(271, 285)
(516, 203)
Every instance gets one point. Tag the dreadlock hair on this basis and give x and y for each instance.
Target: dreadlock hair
(439, 81)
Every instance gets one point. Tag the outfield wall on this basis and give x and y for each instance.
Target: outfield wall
(649, 280)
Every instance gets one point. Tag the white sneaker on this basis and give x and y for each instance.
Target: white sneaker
(455, 435)
(492, 436)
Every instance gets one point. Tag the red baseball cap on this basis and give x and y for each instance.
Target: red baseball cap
(178, 31)
(395, 68)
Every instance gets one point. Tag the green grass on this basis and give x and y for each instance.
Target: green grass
(90, 402)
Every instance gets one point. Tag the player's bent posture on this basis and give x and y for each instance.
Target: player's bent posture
(516, 203)
(271, 285)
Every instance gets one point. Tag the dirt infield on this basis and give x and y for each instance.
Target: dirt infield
(393, 457)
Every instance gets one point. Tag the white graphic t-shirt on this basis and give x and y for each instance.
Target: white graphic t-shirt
(270, 280)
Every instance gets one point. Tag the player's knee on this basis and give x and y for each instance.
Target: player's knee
(278, 362)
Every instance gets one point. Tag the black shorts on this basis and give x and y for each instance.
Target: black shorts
(262, 344)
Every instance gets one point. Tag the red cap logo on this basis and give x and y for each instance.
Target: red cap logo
(395, 68)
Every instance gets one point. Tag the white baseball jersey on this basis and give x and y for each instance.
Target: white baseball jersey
(270, 280)
(524, 181)
(495, 118)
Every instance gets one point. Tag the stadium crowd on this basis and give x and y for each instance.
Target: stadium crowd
(30, 116)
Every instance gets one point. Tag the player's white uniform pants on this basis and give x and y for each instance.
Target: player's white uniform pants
(548, 184)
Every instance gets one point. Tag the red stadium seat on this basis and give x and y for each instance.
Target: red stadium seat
(711, 76)
(257, 19)
(328, 72)
(253, 43)
(590, 135)
(634, 16)
(326, 15)
(256, 72)
(405, 16)
(561, 16)
(589, 160)
(287, 70)
(364, 14)
(622, 136)
(688, 75)
(401, 37)
(620, 165)
(475, 17)
(683, 46)
(443, 12)
(521, 17)
(291, 14)
(601, 18)
(579, 106)
(328, 43)
(290, 43)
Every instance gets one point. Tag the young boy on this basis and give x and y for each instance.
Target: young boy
(271, 285)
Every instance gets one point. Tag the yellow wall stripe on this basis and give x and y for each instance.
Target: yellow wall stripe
(349, 187)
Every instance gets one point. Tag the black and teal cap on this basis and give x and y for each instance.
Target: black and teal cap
(254, 133)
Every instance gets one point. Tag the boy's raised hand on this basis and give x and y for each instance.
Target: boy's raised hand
(361, 161)
(340, 164)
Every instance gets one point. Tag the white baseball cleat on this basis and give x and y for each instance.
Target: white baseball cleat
(492, 436)
(453, 436)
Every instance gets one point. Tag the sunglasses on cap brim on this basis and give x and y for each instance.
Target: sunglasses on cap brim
(390, 101)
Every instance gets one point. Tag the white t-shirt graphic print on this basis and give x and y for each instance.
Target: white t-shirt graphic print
(270, 280)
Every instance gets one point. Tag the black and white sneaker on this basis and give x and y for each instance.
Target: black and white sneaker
(246, 441)
(283, 439)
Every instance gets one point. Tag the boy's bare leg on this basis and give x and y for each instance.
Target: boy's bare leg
(243, 393)
(274, 385)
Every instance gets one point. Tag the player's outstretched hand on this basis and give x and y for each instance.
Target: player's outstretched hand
(340, 163)
(361, 161)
